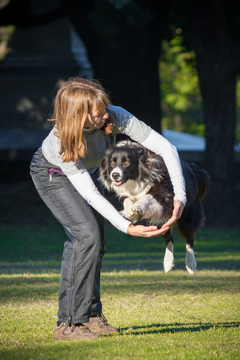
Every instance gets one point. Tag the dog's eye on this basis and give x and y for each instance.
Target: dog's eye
(126, 162)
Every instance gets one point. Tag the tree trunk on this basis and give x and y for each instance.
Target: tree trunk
(217, 64)
(220, 119)
(132, 70)
(128, 66)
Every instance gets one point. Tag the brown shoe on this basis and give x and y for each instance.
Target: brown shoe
(99, 324)
(81, 332)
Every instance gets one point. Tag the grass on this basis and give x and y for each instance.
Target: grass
(159, 316)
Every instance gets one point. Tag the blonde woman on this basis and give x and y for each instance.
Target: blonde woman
(65, 173)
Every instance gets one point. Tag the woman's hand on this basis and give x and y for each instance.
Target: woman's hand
(145, 231)
(150, 231)
(176, 214)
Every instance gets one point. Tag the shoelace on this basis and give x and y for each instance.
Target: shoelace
(103, 318)
(73, 328)
(80, 326)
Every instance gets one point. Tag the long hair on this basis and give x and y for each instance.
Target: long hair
(74, 101)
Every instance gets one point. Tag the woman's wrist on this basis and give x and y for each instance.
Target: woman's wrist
(130, 228)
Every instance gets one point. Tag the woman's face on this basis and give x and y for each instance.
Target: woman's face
(96, 120)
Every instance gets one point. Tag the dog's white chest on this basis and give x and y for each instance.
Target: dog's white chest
(134, 190)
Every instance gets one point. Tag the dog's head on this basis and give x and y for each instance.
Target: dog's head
(121, 163)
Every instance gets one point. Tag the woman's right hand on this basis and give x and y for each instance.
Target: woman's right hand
(146, 231)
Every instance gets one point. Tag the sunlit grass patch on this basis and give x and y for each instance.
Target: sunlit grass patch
(159, 316)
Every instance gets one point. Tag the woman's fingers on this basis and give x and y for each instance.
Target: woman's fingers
(146, 231)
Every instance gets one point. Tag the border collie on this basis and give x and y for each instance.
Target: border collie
(140, 179)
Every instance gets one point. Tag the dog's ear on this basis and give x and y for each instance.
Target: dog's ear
(141, 151)
(104, 171)
(103, 164)
(108, 151)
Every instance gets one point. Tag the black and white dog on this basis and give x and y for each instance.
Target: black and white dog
(140, 179)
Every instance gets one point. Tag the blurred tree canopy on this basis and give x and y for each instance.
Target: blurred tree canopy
(5, 34)
(180, 92)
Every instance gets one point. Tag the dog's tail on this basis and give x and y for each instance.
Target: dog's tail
(203, 180)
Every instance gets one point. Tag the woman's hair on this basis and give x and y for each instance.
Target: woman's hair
(74, 101)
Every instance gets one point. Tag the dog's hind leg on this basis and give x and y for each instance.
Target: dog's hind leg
(188, 225)
(190, 260)
(168, 261)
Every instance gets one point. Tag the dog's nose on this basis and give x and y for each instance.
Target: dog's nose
(115, 175)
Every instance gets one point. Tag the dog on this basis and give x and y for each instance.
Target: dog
(140, 179)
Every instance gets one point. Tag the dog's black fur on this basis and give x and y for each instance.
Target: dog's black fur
(141, 180)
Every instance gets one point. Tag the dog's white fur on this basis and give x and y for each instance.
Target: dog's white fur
(190, 260)
(168, 261)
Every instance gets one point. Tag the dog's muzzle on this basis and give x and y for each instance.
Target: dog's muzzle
(117, 178)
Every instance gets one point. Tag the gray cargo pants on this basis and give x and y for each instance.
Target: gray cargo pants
(79, 291)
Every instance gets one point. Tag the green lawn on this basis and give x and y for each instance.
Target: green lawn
(159, 316)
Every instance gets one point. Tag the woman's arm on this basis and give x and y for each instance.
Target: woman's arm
(83, 183)
(158, 144)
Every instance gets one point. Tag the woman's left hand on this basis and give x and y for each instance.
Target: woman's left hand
(176, 214)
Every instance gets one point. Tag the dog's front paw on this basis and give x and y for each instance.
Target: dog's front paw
(129, 215)
(137, 209)
(127, 211)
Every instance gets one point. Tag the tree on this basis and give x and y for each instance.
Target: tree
(19, 13)
(218, 53)
(123, 42)
(180, 91)
(122, 38)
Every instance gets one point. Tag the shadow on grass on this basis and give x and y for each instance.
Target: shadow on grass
(148, 265)
(30, 268)
(46, 286)
(178, 328)
(119, 347)
(154, 263)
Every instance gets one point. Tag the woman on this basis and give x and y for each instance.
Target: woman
(65, 173)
